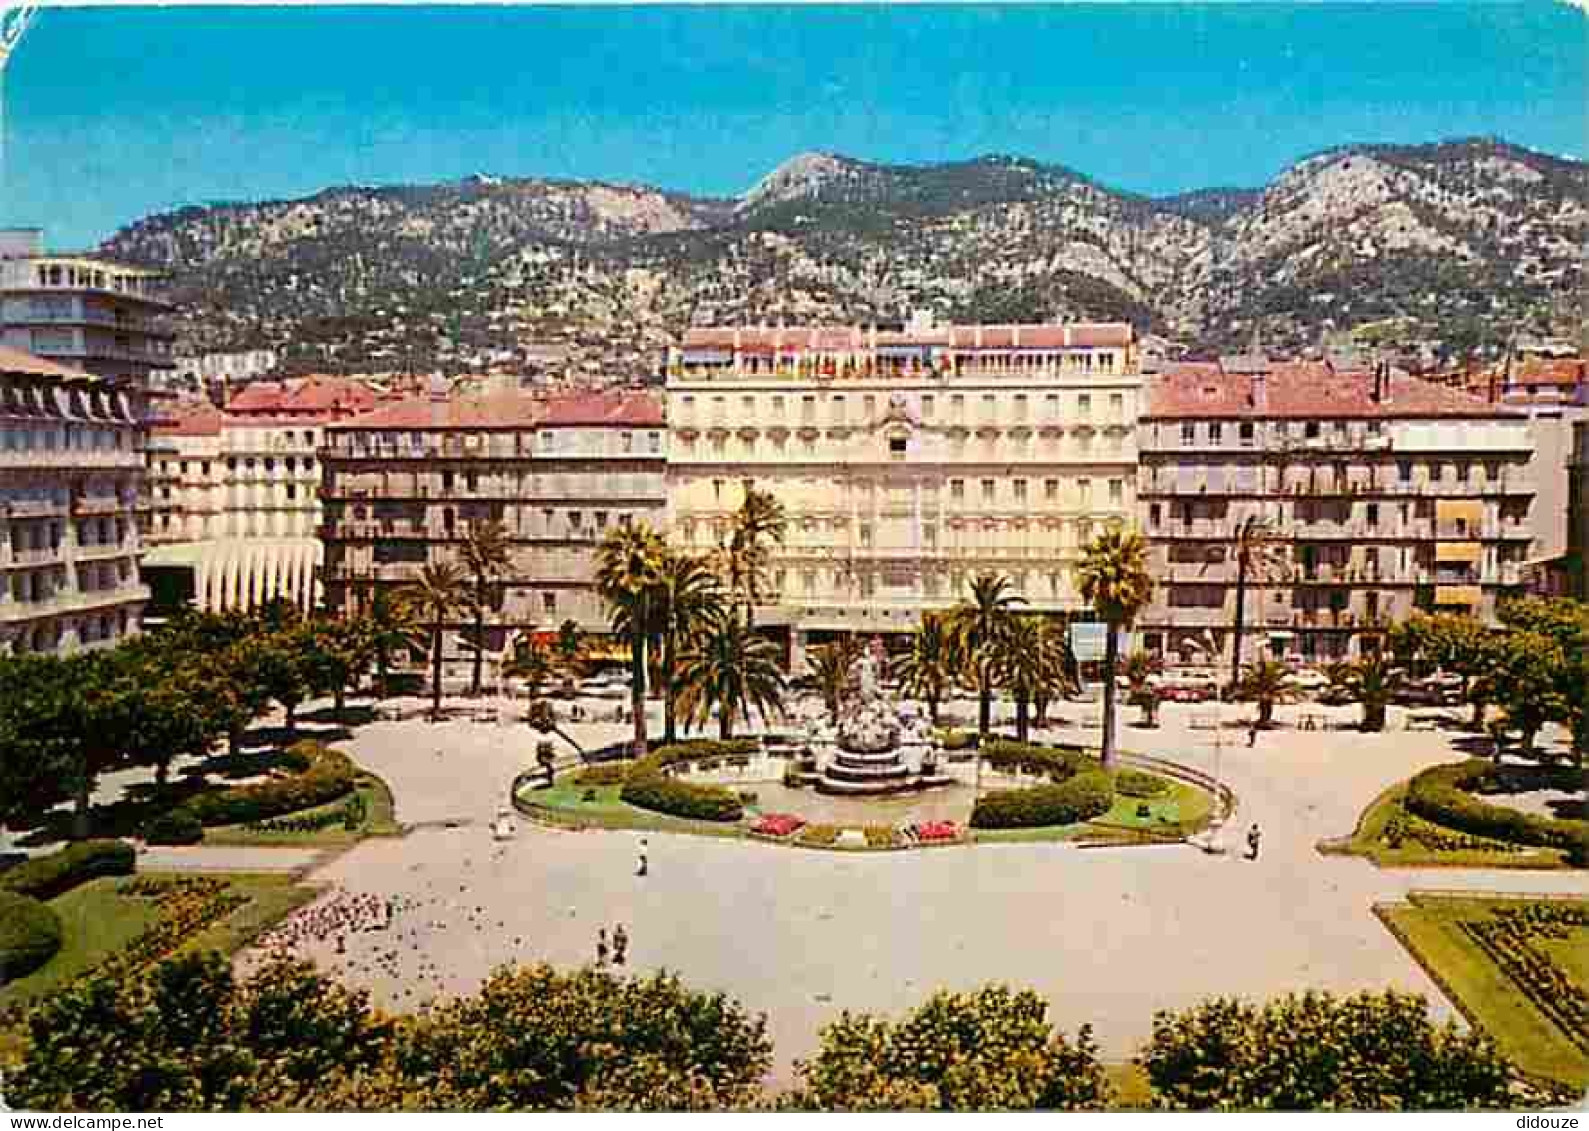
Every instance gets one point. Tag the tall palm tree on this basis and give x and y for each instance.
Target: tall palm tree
(393, 629)
(1140, 668)
(926, 671)
(436, 597)
(1113, 578)
(690, 598)
(1265, 682)
(830, 667)
(760, 519)
(1024, 666)
(1373, 681)
(1259, 556)
(732, 669)
(977, 625)
(1055, 640)
(486, 554)
(628, 578)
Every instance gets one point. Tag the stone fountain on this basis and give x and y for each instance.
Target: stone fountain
(878, 746)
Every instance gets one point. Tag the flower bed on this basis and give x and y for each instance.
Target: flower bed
(778, 825)
(1442, 794)
(1404, 826)
(818, 836)
(1510, 937)
(929, 832)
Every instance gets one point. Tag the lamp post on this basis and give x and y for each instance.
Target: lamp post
(1208, 649)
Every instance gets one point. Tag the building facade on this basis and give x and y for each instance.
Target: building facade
(235, 506)
(403, 484)
(1577, 568)
(1379, 494)
(71, 471)
(908, 461)
(83, 312)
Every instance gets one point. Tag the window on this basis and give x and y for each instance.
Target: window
(957, 489)
(1214, 431)
(987, 490)
(1116, 490)
(1051, 490)
(292, 490)
(1404, 470)
(575, 518)
(1188, 434)
(1463, 471)
(1084, 489)
(717, 490)
(1155, 513)
(1310, 430)
(549, 602)
(926, 406)
(896, 447)
(1117, 406)
(1084, 405)
(626, 442)
(1246, 433)
(601, 520)
(1372, 514)
(866, 534)
(1020, 490)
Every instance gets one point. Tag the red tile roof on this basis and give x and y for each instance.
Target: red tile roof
(190, 420)
(504, 411)
(627, 410)
(21, 363)
(314, 396)
(1564, 372)
(796, 338)
(1311, 390)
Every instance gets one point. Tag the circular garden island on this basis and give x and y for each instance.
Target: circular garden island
(769, 789)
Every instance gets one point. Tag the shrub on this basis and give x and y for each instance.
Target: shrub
(880, 836)
(30, 934)
(1440, 794)
(45, 877)
(175, 827)
(647, 787)
(1135, 783)
(330, 775)
(697, 749)
(1079, 798)
(821, 836)
(604, 773)
(951, 739)
(1059, 762)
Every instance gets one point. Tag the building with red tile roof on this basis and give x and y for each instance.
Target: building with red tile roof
(1367, 494)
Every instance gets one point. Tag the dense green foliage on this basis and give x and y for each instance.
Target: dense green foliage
(1369, 1052)
(992, 1049)
(1135, 783)
(30, 934)
(328, 775)
(45, 877)
(1058, 762)
(178, 826)
(1445, 795)
(647, 787)
(604, 773)
(1078, 798)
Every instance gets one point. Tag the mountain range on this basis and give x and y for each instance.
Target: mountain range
(1455, 245)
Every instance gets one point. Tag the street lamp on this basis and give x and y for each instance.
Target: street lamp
(1208, 649)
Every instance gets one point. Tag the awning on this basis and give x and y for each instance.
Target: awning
(922, 352)
(707, 356)
(1465, 595)
(1470, 511)
(1469, 552)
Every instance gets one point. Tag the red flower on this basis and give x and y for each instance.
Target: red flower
(777, 824)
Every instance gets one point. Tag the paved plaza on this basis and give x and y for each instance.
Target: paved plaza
(1108, 935)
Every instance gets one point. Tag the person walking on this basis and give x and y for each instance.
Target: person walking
(1253, 836)
(620, 945)
(601, 947)
(644, 864)
(1252, 734)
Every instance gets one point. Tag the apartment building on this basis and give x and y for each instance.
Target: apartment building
(1577, 559)
(71, 467)
(235, 504)
(82, 311)
(907, 460)
(403, 484)
(1382, 494)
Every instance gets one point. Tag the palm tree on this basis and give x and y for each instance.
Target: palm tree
(1024, 666)
(628, 578)
(1140, 668)
(760, 518)
(486, 554)
(734, 670)
(1265, 682)
(1056, 643)
(1114, 580)
(830, 668)
(1373, 681)
(1259, 555)
(690, 598)
(926, 671)
(435, 598)
(393, 630)
(977, 624)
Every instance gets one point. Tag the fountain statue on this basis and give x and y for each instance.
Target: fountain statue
(878, 746)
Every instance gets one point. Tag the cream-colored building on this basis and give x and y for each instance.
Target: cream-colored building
(908, 461)
(71, 469)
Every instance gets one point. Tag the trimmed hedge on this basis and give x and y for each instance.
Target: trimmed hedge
(30, 934)
(604, 773)
(330, 775)
(1078, 798)
(1440, 794)
(1059, 762)
(45, 877)
(647, 786)
(1135, 783)
(175, 827)
(952, 740)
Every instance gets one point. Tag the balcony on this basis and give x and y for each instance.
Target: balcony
(103, 504)
(99, 551)
(46, 555)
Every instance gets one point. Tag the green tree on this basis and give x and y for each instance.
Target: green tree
(393, 630)
(1140, 668)
(759, 522)
(690, 599)
(285, 670)
(977, 624)
(733, 670)
(435, 598)
(629, 578)
(42, 752)
(989, 1050)
(486, 556)
(1113, 579)
(1260, 556)
(1266, 683)
(338, 653)
(1027, 666)
(1373, 681)
(926, 671)
(1527, 684)
(830, 668)
(1314, 1052)
(1056, 641)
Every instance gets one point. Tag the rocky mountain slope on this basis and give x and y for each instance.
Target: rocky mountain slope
(1465, 242)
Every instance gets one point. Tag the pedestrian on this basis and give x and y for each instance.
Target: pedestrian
(620, 945)
(644, 864)
(601, 947)
(1252, 841)
(1252, 734)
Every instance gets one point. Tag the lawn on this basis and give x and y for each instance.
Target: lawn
(1431, 927)
(379, 820)
(565, 804)
(1368, 840)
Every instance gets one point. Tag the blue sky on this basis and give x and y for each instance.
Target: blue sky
(115, 113)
